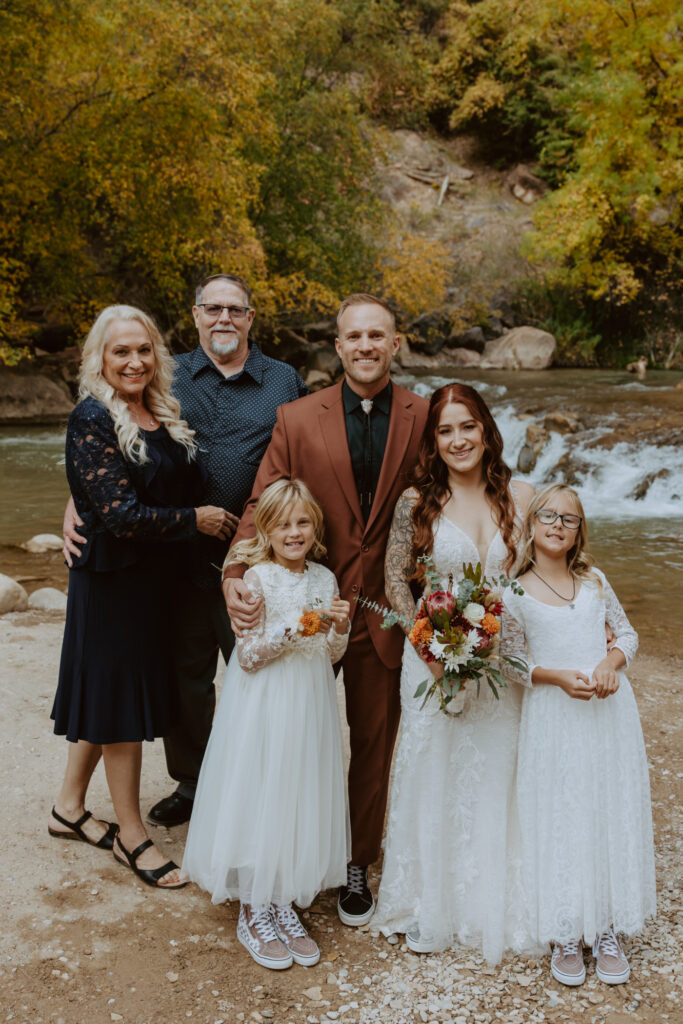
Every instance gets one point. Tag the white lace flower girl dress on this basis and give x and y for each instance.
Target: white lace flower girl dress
(582, 777)
(269, 822)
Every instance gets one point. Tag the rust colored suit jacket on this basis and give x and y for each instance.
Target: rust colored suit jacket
(309, 443)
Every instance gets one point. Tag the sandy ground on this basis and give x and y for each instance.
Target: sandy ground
(84, 941)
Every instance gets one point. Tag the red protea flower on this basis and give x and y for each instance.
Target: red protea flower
(440, 601)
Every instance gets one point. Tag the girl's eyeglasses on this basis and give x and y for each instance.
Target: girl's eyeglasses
(548, 516)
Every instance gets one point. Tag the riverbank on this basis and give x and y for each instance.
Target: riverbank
(84, 942)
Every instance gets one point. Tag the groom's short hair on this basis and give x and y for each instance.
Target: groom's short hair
(364, 299)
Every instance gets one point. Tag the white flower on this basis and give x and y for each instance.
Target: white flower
(436, 648)
(460, 656)
(474, 613)
(474, 638)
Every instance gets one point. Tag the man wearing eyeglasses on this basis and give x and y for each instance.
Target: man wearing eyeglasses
(229, 393)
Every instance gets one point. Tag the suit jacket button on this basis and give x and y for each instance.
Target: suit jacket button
(354, 588)
(364, 547)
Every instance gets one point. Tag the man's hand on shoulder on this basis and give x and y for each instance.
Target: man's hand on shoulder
(244, 608)
(70, 534)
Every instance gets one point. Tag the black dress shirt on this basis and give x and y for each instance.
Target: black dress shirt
(233, 419)
(367, 436)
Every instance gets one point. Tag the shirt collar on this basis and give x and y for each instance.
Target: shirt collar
(199, 361)
(381, 401)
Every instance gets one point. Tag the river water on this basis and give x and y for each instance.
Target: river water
(636, 541)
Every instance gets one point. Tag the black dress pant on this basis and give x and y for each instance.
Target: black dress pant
(201, 628)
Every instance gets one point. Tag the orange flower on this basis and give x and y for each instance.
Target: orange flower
(421, 633)
(490, 624)
(310, 623)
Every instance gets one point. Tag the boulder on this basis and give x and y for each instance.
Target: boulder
(430, 332)
(43, 542)
(522, 348)
(525, 185)
(562, 422)
(526, 460)
(473, 338)
(451, 357)
(33, 398)
(48, 599)
(639, 492)
(13, 597)
(325, 359)
(567, 470)
(316, 380)
(536, 437)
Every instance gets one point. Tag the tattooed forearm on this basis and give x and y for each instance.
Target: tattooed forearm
(398, 567)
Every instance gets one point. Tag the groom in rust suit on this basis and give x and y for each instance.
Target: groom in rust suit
(354, 445)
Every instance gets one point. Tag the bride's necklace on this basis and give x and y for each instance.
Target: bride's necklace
(561, 597)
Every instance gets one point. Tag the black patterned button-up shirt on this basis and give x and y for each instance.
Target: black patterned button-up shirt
(233, 418)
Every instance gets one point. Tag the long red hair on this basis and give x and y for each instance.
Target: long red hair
(430, 476)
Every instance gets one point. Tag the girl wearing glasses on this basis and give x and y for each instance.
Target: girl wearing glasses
(582, 779)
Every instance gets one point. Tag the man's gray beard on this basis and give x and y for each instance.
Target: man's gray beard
(224, 348)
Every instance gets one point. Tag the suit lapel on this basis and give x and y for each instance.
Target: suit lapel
(333, 429)
(401, 423)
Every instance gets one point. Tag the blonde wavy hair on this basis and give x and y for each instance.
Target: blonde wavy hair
(270, 507)
(579, 560)
(161, 403)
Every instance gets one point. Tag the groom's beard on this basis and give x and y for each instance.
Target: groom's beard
(224, 347)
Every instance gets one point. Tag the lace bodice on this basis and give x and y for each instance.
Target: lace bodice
(453, 547)
(564, 637)
(286, 596)
(106, 488)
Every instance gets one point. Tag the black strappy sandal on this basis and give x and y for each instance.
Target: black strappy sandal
(105, 843)
(150, 876)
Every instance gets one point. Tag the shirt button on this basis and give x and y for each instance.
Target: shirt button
(354, 588)
(364, 547)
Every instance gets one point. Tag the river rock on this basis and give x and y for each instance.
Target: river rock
(447, 358)
(48, 599)
(33, 398)
(639, 492)
(316, 380)
(526, 460)
(536, 436)
(13, 597)
(430, 332)
(522, 348)
(325, 359)
(525, 185)
(473, 338)
(43, 542)
(562, 422)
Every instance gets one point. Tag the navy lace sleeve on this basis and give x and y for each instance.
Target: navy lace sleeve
(101, 484)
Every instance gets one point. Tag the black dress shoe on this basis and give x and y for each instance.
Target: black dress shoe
(355, 904)
(172, 810)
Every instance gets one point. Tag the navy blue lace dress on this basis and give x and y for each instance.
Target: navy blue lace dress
(115, 677)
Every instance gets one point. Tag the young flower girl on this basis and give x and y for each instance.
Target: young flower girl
(269, 823)
(583, 787)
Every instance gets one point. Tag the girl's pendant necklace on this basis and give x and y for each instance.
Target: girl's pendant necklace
(561, 597)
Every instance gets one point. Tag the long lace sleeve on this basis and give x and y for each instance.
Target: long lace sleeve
(398, 566)
(513, 645)
(626, 636)
(337, 642)
(255, 648)
(99, 475)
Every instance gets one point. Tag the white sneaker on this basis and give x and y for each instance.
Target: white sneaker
(611, 965)
(295, 937)
(566, 964)
(257, 933)
(421, 943)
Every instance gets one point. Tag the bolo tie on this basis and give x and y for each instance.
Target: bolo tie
(366, 492)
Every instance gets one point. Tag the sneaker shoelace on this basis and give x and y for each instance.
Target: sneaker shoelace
(288, 920)
(608, 944)
(355, 879)
(262, 922)
(570, 948)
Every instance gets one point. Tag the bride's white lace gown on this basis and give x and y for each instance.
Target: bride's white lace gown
(583, 786)
(452, 853)
(269, 821)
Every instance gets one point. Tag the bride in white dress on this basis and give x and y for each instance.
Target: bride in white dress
(452, 868)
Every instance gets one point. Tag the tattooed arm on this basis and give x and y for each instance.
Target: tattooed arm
(398, 566)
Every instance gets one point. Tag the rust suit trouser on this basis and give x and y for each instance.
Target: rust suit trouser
(373, 709)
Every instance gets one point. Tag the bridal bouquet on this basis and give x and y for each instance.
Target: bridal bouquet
(457, 627)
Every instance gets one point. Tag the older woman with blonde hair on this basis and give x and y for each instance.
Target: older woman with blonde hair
(132, 467)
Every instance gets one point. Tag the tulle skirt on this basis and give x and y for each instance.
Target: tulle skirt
(584, 801)
(270, 820)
